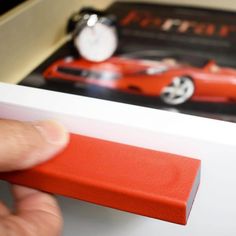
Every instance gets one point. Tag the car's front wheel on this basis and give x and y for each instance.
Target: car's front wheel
(179, 91)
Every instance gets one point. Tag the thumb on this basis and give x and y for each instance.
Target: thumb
(25, 144)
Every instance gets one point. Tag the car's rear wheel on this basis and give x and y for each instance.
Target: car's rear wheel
(179, 91)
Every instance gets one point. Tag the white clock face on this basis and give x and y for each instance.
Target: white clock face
(97, 43)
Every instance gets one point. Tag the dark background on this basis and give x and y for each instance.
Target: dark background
(6, 5)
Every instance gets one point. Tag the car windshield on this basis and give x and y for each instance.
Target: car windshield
(152, 70)
(156, 70)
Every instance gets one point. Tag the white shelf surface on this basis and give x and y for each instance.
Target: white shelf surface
(212, 141)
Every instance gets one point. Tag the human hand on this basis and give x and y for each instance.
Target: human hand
(23, 145)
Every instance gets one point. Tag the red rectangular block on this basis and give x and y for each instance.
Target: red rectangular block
(120, 176)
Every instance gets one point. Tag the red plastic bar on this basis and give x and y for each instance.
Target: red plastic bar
(120, 176)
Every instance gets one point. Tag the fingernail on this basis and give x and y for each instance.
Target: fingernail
(52, 132)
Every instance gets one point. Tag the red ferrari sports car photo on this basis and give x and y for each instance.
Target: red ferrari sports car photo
(174, 82)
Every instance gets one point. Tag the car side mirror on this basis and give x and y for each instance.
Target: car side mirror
(212, 67)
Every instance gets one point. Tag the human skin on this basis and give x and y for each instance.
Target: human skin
(24, 145)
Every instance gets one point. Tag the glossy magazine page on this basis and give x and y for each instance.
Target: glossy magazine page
(173, 58)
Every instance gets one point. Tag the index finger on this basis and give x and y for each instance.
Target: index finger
(25, 144)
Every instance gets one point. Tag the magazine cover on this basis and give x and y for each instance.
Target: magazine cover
(169, 57)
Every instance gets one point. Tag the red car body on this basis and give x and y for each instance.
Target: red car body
(150, 78)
